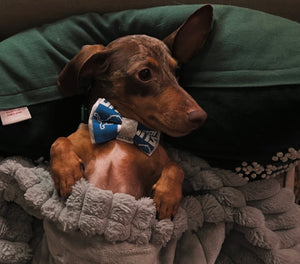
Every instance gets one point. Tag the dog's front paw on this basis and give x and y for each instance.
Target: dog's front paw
(167, 191)
(66, 167)
(166, 201)
(65, 173)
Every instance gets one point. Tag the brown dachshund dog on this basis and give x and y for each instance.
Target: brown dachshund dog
(136, 74)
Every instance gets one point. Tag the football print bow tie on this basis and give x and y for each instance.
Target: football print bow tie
(106, 123)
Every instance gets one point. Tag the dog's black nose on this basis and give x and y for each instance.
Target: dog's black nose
(198, 116)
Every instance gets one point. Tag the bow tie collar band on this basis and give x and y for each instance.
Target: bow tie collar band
(106, 123)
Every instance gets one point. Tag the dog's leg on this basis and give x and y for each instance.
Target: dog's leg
(167, 190)
(66, 166)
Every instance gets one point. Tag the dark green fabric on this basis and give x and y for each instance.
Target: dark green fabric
(247, 78)
(247, 49)
(32, 60)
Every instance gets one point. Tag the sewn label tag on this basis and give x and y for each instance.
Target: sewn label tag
(15, 115)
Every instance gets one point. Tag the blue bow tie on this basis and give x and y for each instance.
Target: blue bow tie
(106, 123)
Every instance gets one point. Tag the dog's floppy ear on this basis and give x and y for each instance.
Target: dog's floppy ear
(188, 39)
(79, 67)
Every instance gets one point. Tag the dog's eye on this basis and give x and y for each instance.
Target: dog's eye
(145, 75)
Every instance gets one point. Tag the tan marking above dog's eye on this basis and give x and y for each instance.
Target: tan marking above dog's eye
(153, 62)
(173, 63)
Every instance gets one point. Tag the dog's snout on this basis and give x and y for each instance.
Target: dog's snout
(197, 117)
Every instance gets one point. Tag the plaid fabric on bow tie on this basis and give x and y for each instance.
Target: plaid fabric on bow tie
(106, 123)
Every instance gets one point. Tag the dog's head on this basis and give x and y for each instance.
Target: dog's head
(137, 74)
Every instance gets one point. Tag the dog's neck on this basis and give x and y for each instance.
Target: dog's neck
(106, 123)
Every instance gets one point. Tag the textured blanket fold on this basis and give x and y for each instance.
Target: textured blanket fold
(222, 219)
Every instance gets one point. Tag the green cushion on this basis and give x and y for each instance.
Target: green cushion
(247, 78)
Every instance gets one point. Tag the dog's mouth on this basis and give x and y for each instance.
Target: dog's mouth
(178, 126)
(178, 133)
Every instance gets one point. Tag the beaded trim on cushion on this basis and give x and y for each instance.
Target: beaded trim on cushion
(281, 163)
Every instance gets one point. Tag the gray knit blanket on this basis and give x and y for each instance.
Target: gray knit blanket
(224, 219)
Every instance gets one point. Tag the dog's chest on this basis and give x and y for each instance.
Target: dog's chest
(120, 167)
